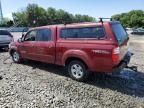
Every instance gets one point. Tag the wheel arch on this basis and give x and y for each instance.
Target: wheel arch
(76, 55)
(69, 59)
(11, 51)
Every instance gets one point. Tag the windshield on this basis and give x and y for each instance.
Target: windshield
(120, 33)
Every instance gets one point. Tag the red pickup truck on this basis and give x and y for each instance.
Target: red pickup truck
(82, 47)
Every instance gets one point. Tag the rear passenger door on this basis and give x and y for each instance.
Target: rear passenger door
(45, 46)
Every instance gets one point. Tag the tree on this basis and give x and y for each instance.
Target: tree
(34, 15)
(51, 16)
(134, 18)
(20, 18)
(83, 18)
(63, 17)
(10, 23)
(6, 23)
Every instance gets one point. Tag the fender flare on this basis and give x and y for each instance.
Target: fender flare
(12, 49)
(76, 54)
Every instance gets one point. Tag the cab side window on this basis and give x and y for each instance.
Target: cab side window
(44, 35)
(31, 36)
(83, 33)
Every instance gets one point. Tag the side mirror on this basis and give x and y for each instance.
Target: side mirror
(20, 40)
(23, 35)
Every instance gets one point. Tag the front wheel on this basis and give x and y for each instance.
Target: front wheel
(16, 57)
(77, 70)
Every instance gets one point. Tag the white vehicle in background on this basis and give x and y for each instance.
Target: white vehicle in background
(5, 38)
(129, 30)
(138, 31)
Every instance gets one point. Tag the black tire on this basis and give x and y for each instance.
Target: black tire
(6, 48)
(16, 57)
(78, 70)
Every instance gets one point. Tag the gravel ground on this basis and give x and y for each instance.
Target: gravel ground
(38, 85)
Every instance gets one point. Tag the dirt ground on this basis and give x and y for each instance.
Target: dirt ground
(38, 85)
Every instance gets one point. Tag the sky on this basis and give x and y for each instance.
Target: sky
(94, 8)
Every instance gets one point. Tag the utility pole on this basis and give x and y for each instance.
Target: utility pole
(1, 14)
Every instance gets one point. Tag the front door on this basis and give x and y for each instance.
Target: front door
(27, 46)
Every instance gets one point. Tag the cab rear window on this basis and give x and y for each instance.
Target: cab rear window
(120, 33)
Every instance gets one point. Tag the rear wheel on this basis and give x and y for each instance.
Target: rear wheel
(16, 57)
(77, 70)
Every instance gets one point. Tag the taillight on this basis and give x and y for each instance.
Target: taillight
(116, 55)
